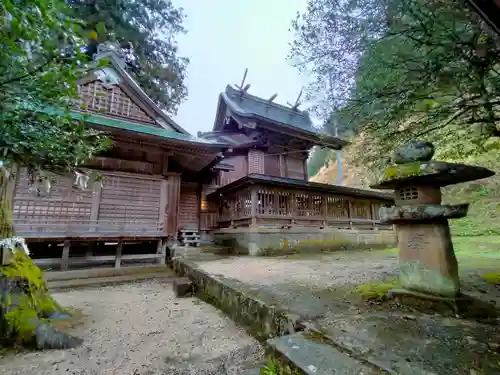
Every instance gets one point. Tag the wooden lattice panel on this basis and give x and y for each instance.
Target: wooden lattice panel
(130, 198)
(337, 207)
(64, 200)
(360, 209)
(95, 97)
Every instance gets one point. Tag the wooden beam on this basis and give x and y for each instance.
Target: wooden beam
(118, 259)
(65, 255)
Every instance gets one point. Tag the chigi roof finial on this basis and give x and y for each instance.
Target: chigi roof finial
(108, 49)
(241, 86)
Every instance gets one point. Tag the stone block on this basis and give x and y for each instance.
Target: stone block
(312, 356)
(183, 287)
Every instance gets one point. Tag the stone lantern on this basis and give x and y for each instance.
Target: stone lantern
(428, 265)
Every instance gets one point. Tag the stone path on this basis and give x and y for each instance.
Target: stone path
(141, 328)
(307, 285)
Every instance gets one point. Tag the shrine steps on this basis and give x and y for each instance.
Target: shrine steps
(286, 335)
(57, 280)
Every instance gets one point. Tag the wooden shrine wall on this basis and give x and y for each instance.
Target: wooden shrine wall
(272, 165)
(295, 167)
(240, 163)
(134, 203)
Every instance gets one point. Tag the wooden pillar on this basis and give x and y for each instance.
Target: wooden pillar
(65, 255)
(349, 212)
(162, 251)
(282, 162)
(324, 210)
(162, 211)
(94, 210)
(254, 204)
(88, 253)
(372, 215)
(198, 208)
(173, 194)
(306, 175)
(118, 260)
(293, 206)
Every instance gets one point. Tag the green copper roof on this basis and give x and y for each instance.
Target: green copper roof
(134, 127)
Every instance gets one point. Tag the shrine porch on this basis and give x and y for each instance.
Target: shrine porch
(261, 214)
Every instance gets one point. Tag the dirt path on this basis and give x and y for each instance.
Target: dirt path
(141, 328)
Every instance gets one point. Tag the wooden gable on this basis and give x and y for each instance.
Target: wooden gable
(111, 100)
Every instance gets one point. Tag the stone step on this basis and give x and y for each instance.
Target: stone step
(109, 280)
(183, 251)
(190, 243)
(313, 356)
(99, 272)
(216, 249)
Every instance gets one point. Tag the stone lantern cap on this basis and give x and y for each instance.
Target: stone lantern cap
(413, 167)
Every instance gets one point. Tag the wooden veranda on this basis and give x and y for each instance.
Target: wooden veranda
(267, 201)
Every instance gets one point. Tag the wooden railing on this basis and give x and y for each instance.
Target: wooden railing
(286, 207)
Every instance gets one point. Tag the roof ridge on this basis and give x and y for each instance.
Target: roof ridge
(273, 104)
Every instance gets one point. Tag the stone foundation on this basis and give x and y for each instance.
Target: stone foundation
(272, 241)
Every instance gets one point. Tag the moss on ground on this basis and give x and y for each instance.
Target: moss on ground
(27, 309)
(375, 290)
(275, 366)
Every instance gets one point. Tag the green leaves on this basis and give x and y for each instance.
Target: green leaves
(403, 69)
(40, 64)
(151, 27)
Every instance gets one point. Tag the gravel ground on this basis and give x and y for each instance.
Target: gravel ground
(141, 328)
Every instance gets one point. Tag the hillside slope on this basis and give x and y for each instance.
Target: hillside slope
(483, 195)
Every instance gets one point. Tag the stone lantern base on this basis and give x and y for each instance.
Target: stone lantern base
(427, 260)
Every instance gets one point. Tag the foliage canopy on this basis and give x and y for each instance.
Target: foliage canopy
(146, 29)
(41, 60)
(400, 69)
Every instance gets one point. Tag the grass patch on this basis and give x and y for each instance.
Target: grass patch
(375, 290)
(275, 366)
(478, 252)
(492, 277)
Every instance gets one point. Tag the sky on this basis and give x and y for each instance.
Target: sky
(226, 36)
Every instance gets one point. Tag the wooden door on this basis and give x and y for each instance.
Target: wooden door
(131, 201)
